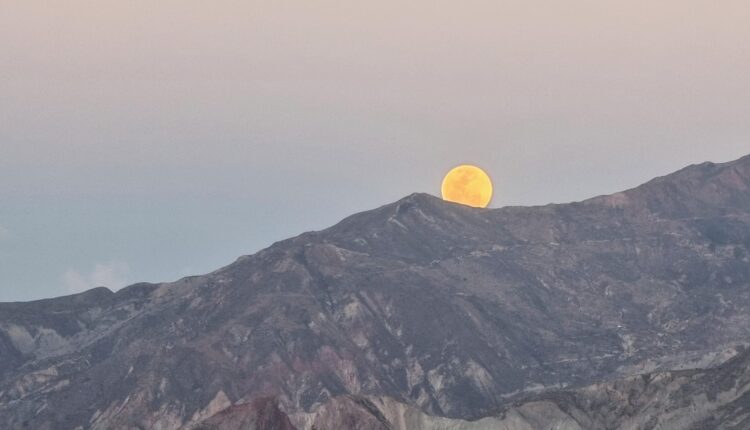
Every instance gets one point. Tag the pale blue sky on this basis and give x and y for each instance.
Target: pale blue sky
(144, 141)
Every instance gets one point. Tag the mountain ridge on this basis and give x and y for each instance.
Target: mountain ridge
(606, 199)
(454, 311)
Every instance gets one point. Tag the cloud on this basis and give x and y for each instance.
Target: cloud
(113, 275)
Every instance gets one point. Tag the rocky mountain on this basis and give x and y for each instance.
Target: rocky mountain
(697, 399)
(716, 398)
(418, 313)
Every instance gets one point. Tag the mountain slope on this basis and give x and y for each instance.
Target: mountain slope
(716, 398)
(453, 310)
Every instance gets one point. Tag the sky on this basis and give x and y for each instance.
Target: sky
(146, 141)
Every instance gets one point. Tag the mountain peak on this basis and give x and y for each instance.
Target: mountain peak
(419, 197)
(423, 201)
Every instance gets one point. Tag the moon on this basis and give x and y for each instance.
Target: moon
(468, 185)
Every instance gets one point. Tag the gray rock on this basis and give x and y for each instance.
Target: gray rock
(454, 311)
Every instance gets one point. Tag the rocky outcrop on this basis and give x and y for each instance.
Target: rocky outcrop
(260, 414)
(697, 399)
(453, 311)
(379, 413)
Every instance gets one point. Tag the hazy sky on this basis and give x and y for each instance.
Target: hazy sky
(147, 140)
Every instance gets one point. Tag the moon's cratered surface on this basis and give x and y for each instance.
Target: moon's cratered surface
(468, 185)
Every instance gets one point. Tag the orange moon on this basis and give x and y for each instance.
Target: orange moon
(468, 185)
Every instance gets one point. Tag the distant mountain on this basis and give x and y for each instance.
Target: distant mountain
(418, 313)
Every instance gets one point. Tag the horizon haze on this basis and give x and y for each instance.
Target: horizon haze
(145, 142)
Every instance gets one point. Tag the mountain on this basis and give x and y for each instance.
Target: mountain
(437, 312)
(715, 398)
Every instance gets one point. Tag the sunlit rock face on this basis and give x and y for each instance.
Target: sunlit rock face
(427, 310)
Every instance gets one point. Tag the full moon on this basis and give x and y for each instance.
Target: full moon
(468, 185)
